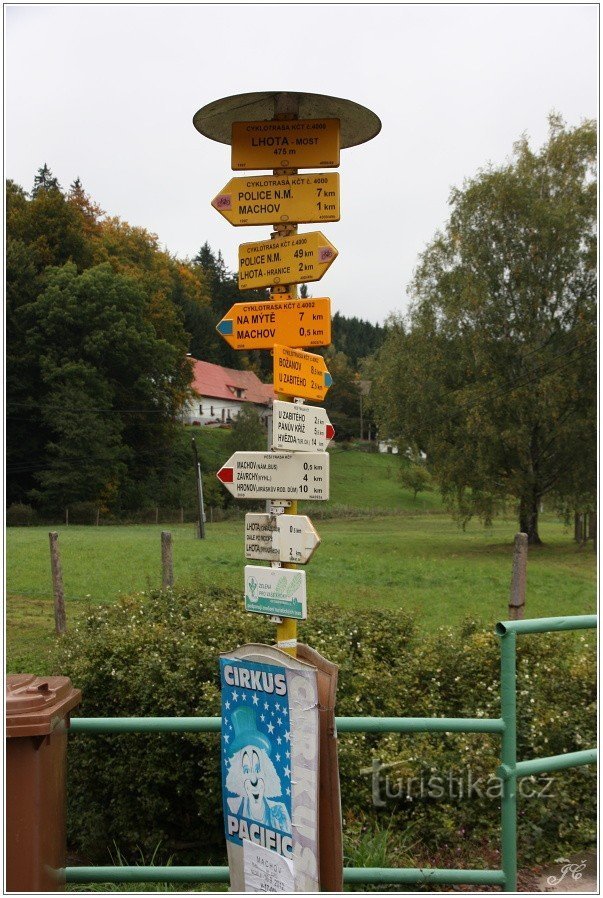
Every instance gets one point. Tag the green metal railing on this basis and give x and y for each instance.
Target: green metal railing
(509, 771)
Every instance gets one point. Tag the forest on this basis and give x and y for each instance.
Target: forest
(100, 324)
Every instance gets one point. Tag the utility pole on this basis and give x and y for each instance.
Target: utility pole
(201, 510)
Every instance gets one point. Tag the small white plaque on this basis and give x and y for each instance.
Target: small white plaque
(266, 871)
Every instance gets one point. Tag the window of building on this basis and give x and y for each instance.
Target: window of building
(223, 415)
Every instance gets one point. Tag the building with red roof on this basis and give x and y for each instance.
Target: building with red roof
(221, 393)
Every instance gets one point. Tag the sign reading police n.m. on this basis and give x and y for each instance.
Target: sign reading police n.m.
(270, 743)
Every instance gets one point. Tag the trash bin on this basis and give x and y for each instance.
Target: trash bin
(37, 720)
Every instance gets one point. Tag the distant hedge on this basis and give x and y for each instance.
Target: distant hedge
(156, 655)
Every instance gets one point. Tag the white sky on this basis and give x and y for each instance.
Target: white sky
(108, 93)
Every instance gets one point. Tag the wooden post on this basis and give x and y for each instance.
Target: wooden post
(578, 527)
(66, 517)
(97, 516)
(592, 525)
(167, 561)
(157, 514)
(60, 620)
(517, 598)
(181, 515)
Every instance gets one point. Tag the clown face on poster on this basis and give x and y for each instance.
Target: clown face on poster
(269, 751)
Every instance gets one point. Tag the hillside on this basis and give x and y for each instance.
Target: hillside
(362, 480)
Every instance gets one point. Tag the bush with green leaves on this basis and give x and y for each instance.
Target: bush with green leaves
(20, 515)
(156, 655)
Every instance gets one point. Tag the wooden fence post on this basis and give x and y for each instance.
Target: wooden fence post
(60, 620)
(577, 527)
(181, 515)
(167, 561)
(97, 516)
(157, 514)
(66, 517)
(517, 598)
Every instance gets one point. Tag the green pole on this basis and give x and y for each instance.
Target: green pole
(509, 760)
(356, 875)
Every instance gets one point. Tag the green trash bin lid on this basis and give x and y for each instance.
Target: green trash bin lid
(36, 706)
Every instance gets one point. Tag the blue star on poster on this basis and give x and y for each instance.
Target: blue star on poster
(256, 755)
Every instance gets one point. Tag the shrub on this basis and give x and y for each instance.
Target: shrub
(83, 512)
(156, 655)
(20, 515)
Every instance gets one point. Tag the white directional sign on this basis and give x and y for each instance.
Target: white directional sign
(271, 475)
(285, 537)
(276, 590)
(300, 428)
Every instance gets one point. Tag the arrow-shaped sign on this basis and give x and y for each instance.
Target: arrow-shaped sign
(277, 475)
(301, 374)
(292, 322)
(300, 428)
(285, 538)
(269, 199)
(286, 260)
(275, 590)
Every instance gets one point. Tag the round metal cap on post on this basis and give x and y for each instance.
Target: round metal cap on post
(215, 120)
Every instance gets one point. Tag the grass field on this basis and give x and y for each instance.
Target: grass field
(393, 551)
(422, 563)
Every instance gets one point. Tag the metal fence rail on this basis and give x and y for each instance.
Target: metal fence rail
(509, 771)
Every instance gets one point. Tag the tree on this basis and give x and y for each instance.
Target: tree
(415, 477)
(110, 387)
(248, 434)
(44, 180)
(342, 401)
(493, 372)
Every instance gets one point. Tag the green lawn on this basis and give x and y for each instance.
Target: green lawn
(422, 563)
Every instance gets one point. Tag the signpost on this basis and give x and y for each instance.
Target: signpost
(277, 475)
(300, 428)
(312, 143)
(271, 811)
(300, 374)
(285, 537)
(274, 198)
(276, 590)
(303, 257)
(293, 322)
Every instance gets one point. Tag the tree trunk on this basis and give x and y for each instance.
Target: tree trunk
(528, 519)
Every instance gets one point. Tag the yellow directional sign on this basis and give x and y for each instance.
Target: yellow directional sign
(286, 260)
(292, 322)
(270, 199)
(301, 374)
(308, 143)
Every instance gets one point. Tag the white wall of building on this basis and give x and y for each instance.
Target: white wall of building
(204, 410)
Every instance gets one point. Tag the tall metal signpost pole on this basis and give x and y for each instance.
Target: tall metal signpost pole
(285, 133)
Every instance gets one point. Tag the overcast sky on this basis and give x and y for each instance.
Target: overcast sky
(108, 92)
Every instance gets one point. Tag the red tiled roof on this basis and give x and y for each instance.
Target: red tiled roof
(217, 382)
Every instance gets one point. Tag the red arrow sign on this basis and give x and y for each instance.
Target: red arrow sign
(226, 475)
